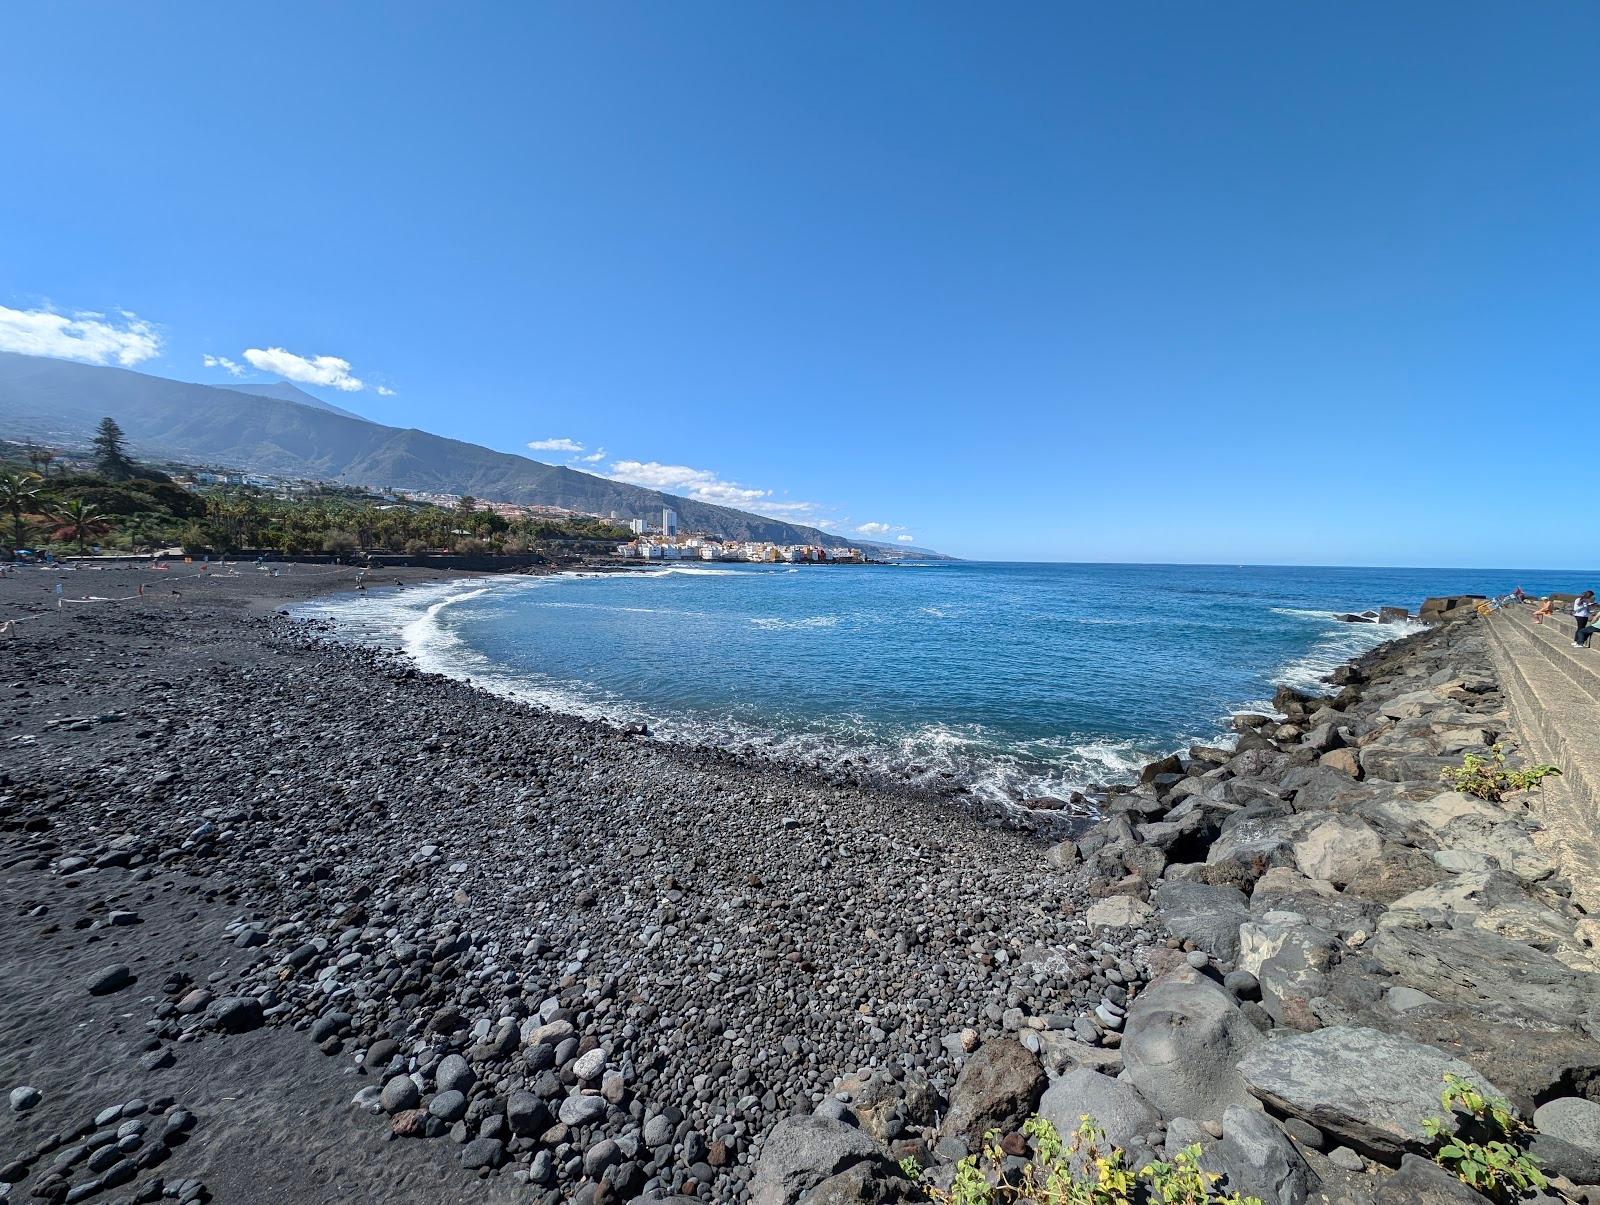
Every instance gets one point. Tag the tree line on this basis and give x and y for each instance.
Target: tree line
(118, 503)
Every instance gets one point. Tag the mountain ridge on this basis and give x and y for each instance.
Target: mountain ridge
(63, 400)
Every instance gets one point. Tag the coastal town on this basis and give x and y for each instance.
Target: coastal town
(667, 544)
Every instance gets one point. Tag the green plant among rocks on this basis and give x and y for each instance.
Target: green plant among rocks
(1487, 1151)
(1489, 778)
(1083, 1169)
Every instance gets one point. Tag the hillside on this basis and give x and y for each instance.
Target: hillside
(286, 392)
(61, 401)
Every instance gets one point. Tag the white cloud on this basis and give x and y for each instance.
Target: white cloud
(88, 336)
(328, 371)
(905, 538)
(700, 484)
(594, 457)
(555, 445)
(384, 391)
(233, 369)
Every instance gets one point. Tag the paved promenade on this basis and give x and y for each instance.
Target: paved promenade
(1555, 699)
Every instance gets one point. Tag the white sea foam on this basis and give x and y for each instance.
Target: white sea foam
(1340, 642)
(772, 624)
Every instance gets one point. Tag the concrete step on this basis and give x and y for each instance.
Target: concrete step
(1580, 666)
(1543, 703)
(1551, 707)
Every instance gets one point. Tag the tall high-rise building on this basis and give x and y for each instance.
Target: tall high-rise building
(636, 526)
(669, 522)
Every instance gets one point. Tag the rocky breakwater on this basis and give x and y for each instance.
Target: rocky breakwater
(1322, 932)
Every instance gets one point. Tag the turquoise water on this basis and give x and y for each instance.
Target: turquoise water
(1016, 680)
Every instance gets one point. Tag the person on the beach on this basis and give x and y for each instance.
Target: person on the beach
(1547, 606)
(1519, 595)
(1583, 610)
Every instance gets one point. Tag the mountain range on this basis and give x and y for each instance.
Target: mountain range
(284, 431)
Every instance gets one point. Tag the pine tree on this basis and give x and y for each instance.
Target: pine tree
(110, 452)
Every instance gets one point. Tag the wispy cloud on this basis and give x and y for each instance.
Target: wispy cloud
(384, 391)
(707, 485)
(700, 484)
(232, 368)
(329, 371)
(905, 538)
(94, 338)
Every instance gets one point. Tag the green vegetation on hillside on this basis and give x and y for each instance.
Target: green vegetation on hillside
(112, 502)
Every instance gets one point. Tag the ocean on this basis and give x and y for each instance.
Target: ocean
(1015, 680)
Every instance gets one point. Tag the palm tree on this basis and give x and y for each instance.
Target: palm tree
(19, 495)
(78, 520)
(40, 458)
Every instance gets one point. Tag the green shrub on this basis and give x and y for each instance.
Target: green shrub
(1488, 1150)
(1083, 1170)
(1488, 778)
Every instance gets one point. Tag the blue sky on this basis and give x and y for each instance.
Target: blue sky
(1244, 282)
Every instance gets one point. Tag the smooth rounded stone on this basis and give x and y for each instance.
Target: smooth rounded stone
(235, 1014)
(580, 1109)
(369, 1098)
(526, 1114)
(324, 1027)
(1198, 959)
(400, 1093)
(481, 1153)
(658, 1129)
(542, 1167)
(1116, 1106)
(1242, 984)
(448, 1106)
(24, 1098)
(599, 1157)
(835, 1109)
(1572, 1119)
(1367, 1088)
(589, 1066)
(1304, 1133)
(1183, 1040)
(997, 1089)
(454, 1074)
(1567, 1141)
(108, 979)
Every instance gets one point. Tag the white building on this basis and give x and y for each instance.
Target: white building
(669, 523)
(636, 526)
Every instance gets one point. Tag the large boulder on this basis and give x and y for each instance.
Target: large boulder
(1116, 1107)
(1477, 969)
(1182, 1040)
(998, 1089)
(1205, 914)
(1292, 959)
(802, 1152)
(1118, 912)
(1254, 1157)
(1371, 1090)
(1337, 849)
(883, 1105)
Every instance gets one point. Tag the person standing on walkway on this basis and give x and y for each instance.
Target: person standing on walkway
(1583, 610)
